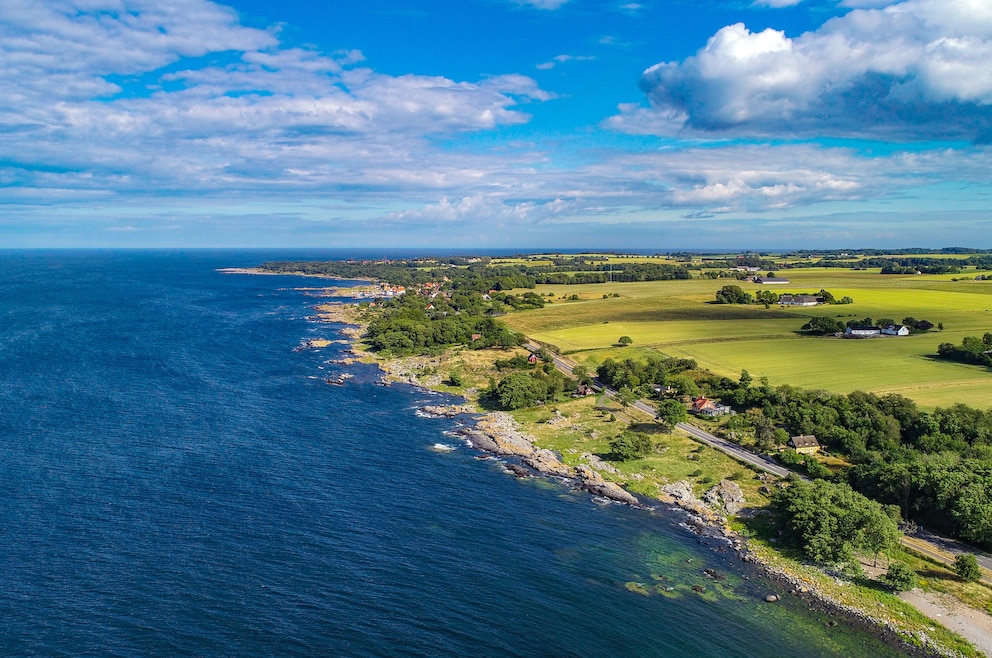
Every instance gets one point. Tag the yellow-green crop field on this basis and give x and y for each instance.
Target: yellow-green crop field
(678, 318)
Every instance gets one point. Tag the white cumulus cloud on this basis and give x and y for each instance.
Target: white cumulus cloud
(88, 104)
(908, 71)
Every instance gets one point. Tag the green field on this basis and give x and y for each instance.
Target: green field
(678, 319)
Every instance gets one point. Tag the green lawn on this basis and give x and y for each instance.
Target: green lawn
(678, 318)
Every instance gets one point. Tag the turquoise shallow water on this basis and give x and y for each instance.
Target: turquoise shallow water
(176, 480)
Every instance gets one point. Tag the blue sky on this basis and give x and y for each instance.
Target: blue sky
(496, 123)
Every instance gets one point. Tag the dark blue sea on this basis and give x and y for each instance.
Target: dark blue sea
(175, 480)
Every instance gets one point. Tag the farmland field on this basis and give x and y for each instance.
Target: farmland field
(678, 318)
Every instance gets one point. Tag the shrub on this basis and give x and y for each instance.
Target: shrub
(900, 577)
(966, 567)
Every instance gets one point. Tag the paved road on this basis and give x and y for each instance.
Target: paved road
(944, 550)
(735, 451)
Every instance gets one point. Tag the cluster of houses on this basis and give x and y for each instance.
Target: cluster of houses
(889, 330)
(804, 444)
(382, 291)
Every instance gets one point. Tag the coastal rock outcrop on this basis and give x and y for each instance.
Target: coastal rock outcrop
(680, 493)
(594, 483)
(547, 462)
(598, 464)
(445, 411)
(502, 432)
(725, 498)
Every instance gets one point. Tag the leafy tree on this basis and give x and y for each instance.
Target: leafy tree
(831, 522)
(745, 380)
(630, 445)
(455, 378)
(624, 341)
(582, 374)
(900, 577)
(684, 385)
(733, 295)
(823, 326)
(766, 297)
(627, 396)
(672, 412)
(520, 390)
(966, 567)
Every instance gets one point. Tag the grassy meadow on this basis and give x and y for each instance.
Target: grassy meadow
(678, 318)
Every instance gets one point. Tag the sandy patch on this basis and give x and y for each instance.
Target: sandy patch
(974, 626)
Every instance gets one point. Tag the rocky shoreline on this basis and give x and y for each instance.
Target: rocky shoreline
(497, 433)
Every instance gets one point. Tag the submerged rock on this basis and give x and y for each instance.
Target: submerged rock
(518, 471)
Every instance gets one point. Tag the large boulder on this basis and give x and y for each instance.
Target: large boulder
(547, 462)
(599, 464)
(725, 498)
(594, 483)
(503, 436)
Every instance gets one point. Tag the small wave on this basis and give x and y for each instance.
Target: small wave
(442, 447)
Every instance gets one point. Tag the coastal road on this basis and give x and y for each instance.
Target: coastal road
(943, 550)
(735, 451)
(935, 547)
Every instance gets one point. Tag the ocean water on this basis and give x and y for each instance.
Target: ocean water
(176, 480)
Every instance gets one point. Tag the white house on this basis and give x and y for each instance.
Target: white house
(896, 330)
(863, 331)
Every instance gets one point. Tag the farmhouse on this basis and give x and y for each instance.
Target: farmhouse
(703, 406)
(770, 281)
(805, 444)
(862, 331)
(798, 300)
(896, 330)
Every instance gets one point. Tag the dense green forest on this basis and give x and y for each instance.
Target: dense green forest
(936, 466)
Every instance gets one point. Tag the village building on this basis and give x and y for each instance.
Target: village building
(703, 406)
(805, 444)
(770, 281)
(798, 300)
(896, 330)
(862, 331)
